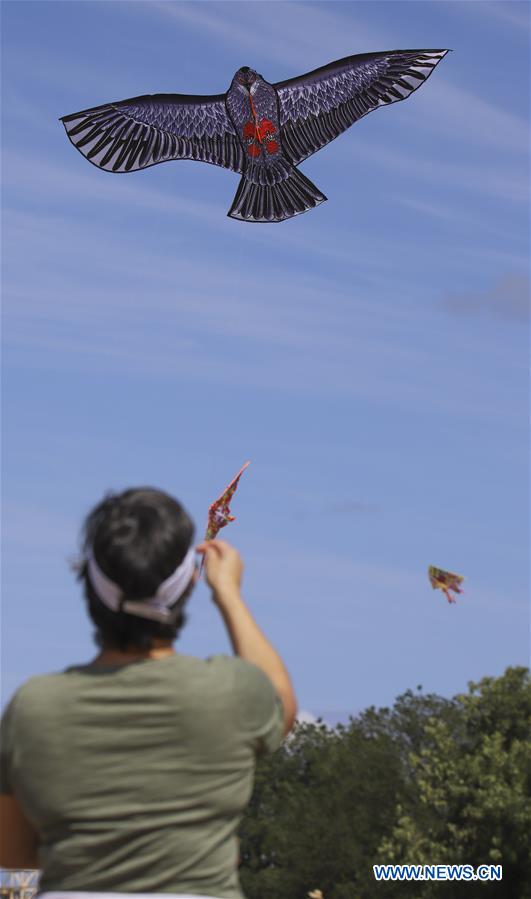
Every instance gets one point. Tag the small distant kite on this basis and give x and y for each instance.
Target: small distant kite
(445, 581)
(219, 512)
(260, 130)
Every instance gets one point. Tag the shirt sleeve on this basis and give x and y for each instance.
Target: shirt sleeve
(261, 709)
(6, 743)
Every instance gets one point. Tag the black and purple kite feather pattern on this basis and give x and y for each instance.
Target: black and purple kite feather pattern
(261, 131)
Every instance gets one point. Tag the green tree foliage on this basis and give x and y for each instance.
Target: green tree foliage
(319, 807)
(473, 797)
(430, 781)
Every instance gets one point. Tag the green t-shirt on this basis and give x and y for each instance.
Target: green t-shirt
(136, 777)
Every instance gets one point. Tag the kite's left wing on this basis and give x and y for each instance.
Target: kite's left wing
(317, 107)
(133, 134)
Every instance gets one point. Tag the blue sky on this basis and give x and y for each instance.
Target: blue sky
(369, 357)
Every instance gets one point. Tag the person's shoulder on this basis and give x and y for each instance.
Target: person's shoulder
(260, 707)
(250, 674)
(253, 690)
(240, 672)
(257, 707)
(243, 679)
(218, 664)
(222, 669)
(36, 691)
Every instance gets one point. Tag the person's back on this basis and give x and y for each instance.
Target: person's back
(136, 777)
(134, 771)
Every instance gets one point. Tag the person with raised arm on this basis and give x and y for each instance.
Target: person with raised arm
(130, 774)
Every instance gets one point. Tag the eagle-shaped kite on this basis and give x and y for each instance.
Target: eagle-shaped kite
(261, 131)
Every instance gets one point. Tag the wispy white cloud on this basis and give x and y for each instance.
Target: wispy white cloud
(23, 109)
(43, 178)
(508, 299)
(458, 217)
(68, 76)
(307, 35)
(369, 588)
(375, 262)
(295, 34)
(349, 507)
(507, 183)
(213, 321)
(514, 13)
(29, 529)
(224, 295)
(461, 115)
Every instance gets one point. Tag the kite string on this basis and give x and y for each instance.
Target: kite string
(255, 117)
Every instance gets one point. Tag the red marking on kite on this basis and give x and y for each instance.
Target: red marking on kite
(258, 134)
(249, 131)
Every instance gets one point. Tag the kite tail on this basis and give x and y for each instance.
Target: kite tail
(275, 202)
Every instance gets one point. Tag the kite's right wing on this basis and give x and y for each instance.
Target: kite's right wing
(315, 108)
(133, 134)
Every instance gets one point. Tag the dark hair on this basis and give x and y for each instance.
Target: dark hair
(138, 538)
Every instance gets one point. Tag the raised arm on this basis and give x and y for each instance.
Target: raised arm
(223, 569)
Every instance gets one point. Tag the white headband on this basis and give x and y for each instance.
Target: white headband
(155, 607)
